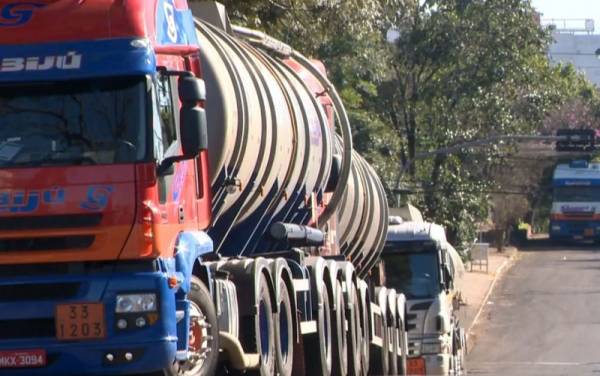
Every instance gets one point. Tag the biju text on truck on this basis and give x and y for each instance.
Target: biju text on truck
(174, 198)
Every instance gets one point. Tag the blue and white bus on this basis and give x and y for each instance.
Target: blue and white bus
(575, 213)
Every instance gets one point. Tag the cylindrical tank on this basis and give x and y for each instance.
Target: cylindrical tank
(271, 148)
(268, 135)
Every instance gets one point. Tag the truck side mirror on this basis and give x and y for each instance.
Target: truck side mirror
(448, 278)
(193, 124)
(192, 119)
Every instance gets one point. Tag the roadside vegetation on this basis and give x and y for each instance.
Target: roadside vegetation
(420, 76)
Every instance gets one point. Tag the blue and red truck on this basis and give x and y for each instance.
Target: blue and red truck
(174, 199)
(575, 212)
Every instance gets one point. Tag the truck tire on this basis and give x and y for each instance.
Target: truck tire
(385, 351)
(379, 356)
(393, 350)
(284, 332)
(340, 345)
(204, 335)
(262, 337)
(464, 350)
(365, 327)
(354, 335)
(402, 367)
(317, 347)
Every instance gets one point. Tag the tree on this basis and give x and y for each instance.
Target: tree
(349, 37)
(465, 70)
(460, 70)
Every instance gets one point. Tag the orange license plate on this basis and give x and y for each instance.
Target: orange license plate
(80, 321)
(415, 366)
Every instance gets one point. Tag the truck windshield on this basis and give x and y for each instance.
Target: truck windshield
(96, 121)
(574, 194)
(414, 274)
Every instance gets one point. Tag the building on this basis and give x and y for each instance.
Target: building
(576, 43)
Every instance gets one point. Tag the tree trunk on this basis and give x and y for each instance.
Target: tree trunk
(499, 239)
(430, 194)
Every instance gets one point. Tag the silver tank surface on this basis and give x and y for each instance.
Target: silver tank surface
(270, 140)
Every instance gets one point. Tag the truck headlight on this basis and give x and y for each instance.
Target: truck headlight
(432, 348)
(555, 228)
(134, 303)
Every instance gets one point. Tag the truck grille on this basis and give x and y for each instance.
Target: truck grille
(38, 291)
(422, 306)
(31, 328)
(578, 214)
(46, 243)
(50, 222)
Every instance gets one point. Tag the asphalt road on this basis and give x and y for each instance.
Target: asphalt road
(543, 317)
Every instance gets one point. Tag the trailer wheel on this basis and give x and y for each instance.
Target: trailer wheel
(263, 334)
(354, 335)
(380, 355)
(463, 351)
(365, 344)
(402, 370)
(317, 347)
(385, 351)
(204, 335)
(393, 350)
(340, 345)
(284, 332)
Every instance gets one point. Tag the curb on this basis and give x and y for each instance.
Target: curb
(497, 275)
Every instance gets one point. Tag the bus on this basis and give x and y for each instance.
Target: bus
(575, 213)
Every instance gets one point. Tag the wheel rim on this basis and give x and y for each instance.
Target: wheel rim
(199, 342)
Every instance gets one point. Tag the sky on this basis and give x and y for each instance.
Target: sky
(561, 9)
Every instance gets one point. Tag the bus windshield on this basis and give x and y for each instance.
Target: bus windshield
(577, 194)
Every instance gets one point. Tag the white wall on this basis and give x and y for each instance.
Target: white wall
(580, 50)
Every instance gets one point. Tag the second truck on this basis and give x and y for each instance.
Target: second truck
(174, 198)
(421, 264)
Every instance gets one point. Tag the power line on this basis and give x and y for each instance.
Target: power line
(508, 193)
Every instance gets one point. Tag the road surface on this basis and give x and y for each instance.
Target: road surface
(543, 317)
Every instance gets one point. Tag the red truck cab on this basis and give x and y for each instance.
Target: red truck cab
(104, 193)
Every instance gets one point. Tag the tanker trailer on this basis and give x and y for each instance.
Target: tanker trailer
(299, 219)
(175, 198)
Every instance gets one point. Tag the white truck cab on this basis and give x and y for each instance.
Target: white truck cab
(421, 264)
